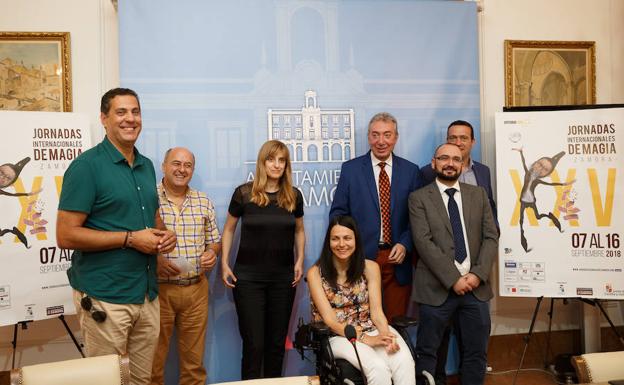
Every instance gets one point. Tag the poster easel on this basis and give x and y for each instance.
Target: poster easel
(24, 325)
(527, 338)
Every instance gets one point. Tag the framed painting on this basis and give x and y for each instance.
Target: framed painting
(549, 73)
(35, 73)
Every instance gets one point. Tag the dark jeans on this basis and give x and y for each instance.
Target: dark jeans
(263, 310)
(440, 372)
(473, 321)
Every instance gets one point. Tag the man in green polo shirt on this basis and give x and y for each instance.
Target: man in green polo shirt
(108, 213)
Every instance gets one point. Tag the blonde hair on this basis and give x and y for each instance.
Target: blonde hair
(286, 197)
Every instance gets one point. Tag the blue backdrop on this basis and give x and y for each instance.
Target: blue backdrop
(220, 77)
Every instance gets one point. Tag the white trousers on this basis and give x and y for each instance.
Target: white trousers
(380, 367)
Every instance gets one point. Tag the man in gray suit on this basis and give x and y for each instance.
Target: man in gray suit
(455, 234)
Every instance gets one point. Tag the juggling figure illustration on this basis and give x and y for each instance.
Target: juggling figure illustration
(533, 176)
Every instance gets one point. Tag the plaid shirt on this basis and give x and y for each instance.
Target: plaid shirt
(195, 226)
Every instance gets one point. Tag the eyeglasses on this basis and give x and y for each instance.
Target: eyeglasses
(446, 158)
(98, 315)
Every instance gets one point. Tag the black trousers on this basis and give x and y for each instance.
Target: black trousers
(263, 310)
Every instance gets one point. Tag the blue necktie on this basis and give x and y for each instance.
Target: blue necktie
(458, 232)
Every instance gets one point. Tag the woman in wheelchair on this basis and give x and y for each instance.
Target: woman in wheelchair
(346, 289)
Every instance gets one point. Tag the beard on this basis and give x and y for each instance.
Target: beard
(451, 177)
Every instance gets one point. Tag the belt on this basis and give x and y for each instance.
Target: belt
(384, 246)
(182, 281)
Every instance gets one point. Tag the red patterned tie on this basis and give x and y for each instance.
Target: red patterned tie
(384, 202)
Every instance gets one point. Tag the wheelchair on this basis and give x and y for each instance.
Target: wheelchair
(331, 371)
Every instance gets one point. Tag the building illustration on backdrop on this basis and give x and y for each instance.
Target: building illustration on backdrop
(259, 104)
(313, 134)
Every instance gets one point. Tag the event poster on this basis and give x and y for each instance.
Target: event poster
(36, 149)
(559, 177)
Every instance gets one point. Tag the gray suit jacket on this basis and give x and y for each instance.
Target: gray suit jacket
(433, 237)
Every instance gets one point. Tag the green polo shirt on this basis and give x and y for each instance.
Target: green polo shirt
(115, 197)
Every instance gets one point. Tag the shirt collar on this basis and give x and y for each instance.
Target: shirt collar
(163, 192)
(470, 164)
(376, 161)
(161, 189)
(117, 156)
(442, 187)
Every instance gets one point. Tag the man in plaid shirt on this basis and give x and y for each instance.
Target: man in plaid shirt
(182, 283)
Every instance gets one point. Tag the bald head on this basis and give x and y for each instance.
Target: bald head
(177, 168)
(175, 151)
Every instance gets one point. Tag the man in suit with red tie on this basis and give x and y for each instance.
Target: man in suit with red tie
(373, 189)
(456, 238)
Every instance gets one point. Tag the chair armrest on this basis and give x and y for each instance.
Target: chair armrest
(403, 322)
(308, 336)
(16, 376)
(320, 328)
(580, 367)
(601, 367)
(100, 370)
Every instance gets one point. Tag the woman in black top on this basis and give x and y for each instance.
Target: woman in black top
(269, 262)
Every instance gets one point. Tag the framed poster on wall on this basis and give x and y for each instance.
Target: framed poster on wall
(549, 73)
(35, 71)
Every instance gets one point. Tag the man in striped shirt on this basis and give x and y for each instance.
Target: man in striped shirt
(182, 282)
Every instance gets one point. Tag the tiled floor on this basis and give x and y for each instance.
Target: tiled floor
(525, 377)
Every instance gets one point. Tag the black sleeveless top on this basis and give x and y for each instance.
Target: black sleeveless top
(267, 238)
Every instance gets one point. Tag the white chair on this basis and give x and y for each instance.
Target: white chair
(599, 367)
(111, 369)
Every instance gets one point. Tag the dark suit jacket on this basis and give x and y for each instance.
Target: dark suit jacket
(356, 195)
(431, 230)
(482, 174)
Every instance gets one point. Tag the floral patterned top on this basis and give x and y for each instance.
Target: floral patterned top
(350, 303)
